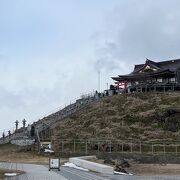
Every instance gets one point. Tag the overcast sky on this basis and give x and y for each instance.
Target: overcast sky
(51, 50)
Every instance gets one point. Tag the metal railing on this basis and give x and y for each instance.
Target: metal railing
(98, 146)
(68, 110)
(50, 118)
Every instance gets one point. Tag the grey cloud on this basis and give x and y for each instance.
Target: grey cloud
(139, 29)
(104, 62)
(9, 99)
(133, 31)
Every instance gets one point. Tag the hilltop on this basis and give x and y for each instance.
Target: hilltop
(141, 116)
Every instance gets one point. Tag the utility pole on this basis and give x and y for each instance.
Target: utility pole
(99, 88)
(107, 93)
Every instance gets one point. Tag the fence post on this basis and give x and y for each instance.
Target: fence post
(131, 147)
(98, 147)
(176, 150)
(110, 147)
(140, 148)
(164, 149)
(86, 147)
(74, 146)
(152, 149)
(122, 148)
(155, 88)
(62, 146)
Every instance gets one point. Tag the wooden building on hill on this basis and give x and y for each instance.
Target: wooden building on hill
(151, 75)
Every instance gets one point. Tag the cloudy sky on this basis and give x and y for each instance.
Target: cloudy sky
(51, 50)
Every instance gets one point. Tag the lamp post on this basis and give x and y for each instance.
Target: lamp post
(16, 123)
(9, 133)
(24, 123)
(3, 136)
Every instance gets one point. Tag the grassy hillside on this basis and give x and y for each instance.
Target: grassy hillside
(142, 116)
(21, 154)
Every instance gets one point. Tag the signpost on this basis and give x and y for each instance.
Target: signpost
(54, 164)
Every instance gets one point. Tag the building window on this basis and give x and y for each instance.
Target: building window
(172, 79)
(149, 81)
(165, 80)
(159, 80)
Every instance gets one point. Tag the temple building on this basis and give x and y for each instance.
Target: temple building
(151, 75)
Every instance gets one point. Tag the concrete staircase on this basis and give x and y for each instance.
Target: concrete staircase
(46, 122)
(42, 125)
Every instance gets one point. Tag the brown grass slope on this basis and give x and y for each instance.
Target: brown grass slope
(142, 116)
(21, 154)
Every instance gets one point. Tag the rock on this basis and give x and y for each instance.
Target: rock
(169, 120)
(118, 168)
(109, 161)
(124, 164)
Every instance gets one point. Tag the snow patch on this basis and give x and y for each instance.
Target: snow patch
(48, 150)
(121, 173)
(71, 165)
(10, 174)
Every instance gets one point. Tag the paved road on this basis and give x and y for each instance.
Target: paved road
(40, 172)
(75, 174)
(33, 172)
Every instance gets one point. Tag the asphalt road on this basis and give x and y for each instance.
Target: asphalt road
(40, 172)
(75, 174)
(33, 172)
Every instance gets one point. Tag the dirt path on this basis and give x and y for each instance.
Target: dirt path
(155, 169)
